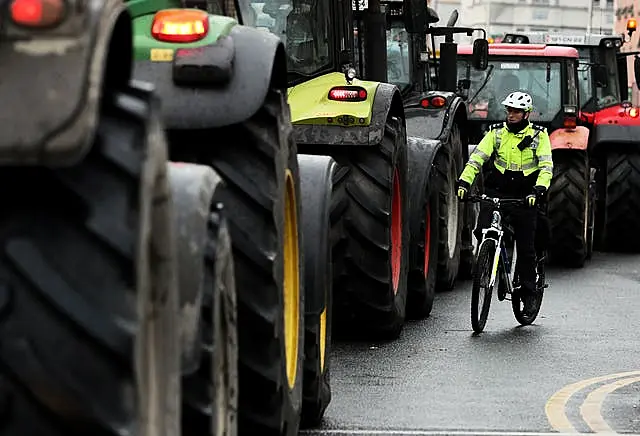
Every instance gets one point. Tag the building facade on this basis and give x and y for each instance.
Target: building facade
(549, 16)
(624, 10)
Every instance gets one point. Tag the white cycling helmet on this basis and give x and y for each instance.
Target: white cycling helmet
(519, 100)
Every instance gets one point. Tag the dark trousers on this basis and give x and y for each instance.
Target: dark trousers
(524, 221)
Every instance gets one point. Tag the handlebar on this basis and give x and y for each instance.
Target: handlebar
(495, 201)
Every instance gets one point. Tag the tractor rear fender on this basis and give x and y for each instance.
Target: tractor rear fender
(52, 81)
(604, 136)
(428, 149)
(570, 139)
(437, 123)
(259, 64)
(387, 102)
(316, 173)
(192, 187)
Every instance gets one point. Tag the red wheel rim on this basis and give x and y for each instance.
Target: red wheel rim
(396, 232)
(427, 242)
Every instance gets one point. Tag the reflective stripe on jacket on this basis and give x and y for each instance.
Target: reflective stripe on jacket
(499, 140)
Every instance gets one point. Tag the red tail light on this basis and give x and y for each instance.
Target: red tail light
(436, 102)
(570, 117)
(180, 25)
(37, 13)
(348, 93)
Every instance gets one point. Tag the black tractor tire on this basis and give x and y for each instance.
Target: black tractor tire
(262, 197)
(593, 201)
(451, 216)
(569, 203)
(207, 291)
(368, 301)
(469, 241)
(622, 202)
(424, 189)
(316, 174)
(88, 301)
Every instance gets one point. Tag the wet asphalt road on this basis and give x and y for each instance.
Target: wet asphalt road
(440, 377)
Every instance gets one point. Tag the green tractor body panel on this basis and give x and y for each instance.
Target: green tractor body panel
(219, 80)
(146, 47)
(310, 103)
(138, 8)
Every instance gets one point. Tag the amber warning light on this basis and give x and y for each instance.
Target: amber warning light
(180, 25)
(37, 13)
(346, 93)
(632, 25)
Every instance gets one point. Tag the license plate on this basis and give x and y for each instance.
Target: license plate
(161, 54)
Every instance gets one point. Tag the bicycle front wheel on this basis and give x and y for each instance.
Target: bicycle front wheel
(482, 288)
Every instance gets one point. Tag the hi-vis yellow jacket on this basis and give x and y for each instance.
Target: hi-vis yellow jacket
(509, 157)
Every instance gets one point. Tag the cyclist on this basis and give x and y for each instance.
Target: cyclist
(520, 166)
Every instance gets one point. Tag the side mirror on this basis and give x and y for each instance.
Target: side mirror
(600, 75)
(432, 16)
(415, 16)
(636, 70)
(480, 56)
(453, 18)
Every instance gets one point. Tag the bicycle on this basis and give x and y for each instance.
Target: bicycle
(493, 265)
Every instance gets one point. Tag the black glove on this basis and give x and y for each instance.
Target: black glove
(463, 189)
(540, 192)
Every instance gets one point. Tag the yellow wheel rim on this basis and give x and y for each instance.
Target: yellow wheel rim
(323, 337)
(291, 281)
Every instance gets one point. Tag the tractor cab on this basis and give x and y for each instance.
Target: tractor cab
(602, 70)
(548, 74)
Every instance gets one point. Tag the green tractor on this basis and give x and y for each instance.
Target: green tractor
(224, 104)
(436, 115)
(89, 293)
(361, 125)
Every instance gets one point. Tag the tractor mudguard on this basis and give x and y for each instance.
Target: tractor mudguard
(605, 135)
(52, 82)
(387, 101)
(435, 123)
(258, 56)
(428, 148)
(316, 173)
(566, 139)
(192, 188)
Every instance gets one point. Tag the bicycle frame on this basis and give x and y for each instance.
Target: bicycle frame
(496, 233)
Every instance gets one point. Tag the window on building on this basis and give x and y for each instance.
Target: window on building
(539, 14)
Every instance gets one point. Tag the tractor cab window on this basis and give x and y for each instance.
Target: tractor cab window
(303, 26)
(606, 92)
(398, 67)
(541, 79)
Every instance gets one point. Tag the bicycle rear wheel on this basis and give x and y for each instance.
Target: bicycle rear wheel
(517, 299)
(481, 291)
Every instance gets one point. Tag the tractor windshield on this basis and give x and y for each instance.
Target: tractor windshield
(541, 79)
(398, 67)
(303, 26)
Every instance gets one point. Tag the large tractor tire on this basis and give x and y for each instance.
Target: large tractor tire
(622, 207)
(569, 208)
(424, 190)
(371, 292)
(262, 197)
(88, 302)
(208, 304)
(451, 217)
(316, 173)
(469, 241)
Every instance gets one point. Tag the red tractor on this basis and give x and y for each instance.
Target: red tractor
(613, 145)
(550, 75)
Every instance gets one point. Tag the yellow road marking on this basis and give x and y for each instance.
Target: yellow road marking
(555, 407)
(592, 406)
